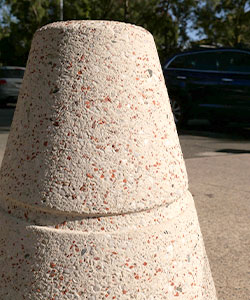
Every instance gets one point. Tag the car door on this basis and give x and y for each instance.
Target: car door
(203, 81)
(175, 74)
(193, 77)
(234, 66)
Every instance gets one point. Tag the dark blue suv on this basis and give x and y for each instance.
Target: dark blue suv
(210, 83)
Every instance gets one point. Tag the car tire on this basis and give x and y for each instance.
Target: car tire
(180, 117)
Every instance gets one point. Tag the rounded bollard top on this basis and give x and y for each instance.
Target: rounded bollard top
(95, 24)
(93, 131)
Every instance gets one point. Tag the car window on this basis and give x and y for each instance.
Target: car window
(11, 73)
(183, 62)
(178, 62)
(196, 61)
(206, 61)
(190, 61)
(234, 61)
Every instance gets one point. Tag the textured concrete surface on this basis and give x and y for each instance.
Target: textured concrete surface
(93, 186)
(220, 186)
(221, 190)
(93, 109)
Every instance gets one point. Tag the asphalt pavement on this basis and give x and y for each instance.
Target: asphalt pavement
(218, 165)
(200, 139)
(221, 190)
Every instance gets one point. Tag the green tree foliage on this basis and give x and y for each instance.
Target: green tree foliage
(171, 25)
(27, 17)
(106, 10)
(4, 29)
(224, 22)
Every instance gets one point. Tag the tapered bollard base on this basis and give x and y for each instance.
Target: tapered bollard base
(94, 200)
(155, 254)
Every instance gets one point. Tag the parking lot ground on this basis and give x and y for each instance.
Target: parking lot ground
(199, 139)
(221, 190)
(3, 141)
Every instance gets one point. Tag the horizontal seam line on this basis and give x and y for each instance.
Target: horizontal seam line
(56, 212)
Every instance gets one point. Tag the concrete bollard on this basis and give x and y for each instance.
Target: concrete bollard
(93, 187)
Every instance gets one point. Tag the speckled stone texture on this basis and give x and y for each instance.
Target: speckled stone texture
(93, 187)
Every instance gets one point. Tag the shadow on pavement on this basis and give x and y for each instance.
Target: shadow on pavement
(233, 131)
(233, 151)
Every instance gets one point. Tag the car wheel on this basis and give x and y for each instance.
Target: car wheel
(178, 112)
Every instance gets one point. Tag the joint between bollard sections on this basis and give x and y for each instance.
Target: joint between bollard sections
(55, 219)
